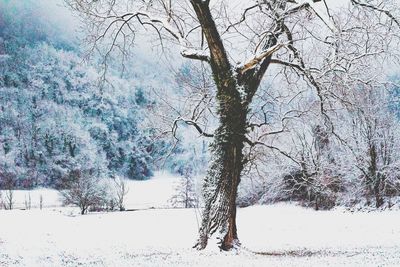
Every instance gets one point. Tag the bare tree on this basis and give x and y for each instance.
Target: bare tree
(28, 201)
(121, 190)
(82, 189)
(41, 201)
(374, 144)
(240, 41)
(318, 178)
(185, 195)
(9, 199)
(8, 182)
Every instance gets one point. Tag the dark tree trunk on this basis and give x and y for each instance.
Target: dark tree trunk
(378, 199)
(375, 177)
(83, 209)
(377, 192)
(223, 178)
(235, 90)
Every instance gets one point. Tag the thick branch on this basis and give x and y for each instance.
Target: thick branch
(194, 54)
(256, 60)
(219, 57)
(386, 12)
(191, 123)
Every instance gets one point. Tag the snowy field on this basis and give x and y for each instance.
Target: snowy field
(153, 193)
(277, 235)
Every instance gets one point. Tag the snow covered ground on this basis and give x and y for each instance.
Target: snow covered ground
(277, 235)
(153, 193)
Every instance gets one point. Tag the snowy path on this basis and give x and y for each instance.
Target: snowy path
(278, 235)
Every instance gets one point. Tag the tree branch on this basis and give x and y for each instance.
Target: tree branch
(191, 123)
(257, 59)
(386, 12)
(253, 144)
(219, 58)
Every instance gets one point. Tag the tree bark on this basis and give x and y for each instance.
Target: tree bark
(235, 91)
(375, 177)
(223, 178)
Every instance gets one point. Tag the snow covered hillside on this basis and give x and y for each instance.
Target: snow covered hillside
(277, 235)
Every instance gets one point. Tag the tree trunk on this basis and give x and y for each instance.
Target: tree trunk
(375, 176)
(377, 192)
(235, 90)
(223, 177)
(83, 209)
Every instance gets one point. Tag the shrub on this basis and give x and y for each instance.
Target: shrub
(83, 189)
